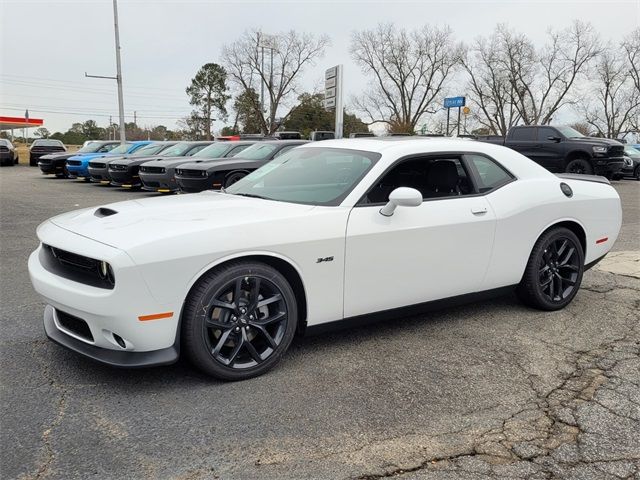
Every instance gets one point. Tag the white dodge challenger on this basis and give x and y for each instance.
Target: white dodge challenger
(330, 231)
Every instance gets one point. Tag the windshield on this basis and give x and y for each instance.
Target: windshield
(216, 150)
(258, 151)
(149, 150)
(93, 147)
(631, 151)
(122, 148)
(50, 143)
(178, 150)
(569, 132)
(311, 176)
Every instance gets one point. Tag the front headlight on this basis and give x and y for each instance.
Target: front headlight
(600, 149)
(106, 272)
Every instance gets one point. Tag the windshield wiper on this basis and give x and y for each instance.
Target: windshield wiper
(251, 195)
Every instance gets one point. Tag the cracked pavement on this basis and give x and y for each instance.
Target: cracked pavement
(483, 391)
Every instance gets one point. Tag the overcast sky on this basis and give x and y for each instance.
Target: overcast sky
(46, 46)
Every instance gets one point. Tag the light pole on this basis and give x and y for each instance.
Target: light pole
(118, 77)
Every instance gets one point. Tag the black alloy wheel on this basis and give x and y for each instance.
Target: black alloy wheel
(554, 271)
(233, 178)
(636, 172)
(239, 321)
(580, 166)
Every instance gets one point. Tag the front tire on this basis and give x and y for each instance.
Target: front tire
(554, 271)
(239, 320)
(233, 178)
(33, 162)
(636, 173)
(580, 165)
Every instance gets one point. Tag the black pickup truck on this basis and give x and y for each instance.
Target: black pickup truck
(563, 149)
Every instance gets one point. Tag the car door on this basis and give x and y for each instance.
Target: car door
(524, 141)
(549, 155)
(436, 250)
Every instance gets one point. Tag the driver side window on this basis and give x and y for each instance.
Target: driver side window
(432, 176)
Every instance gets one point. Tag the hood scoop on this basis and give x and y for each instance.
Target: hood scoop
(104, 212)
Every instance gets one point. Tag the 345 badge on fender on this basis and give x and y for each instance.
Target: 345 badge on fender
(325, 259)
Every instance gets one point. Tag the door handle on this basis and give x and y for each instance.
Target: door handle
(478, 210)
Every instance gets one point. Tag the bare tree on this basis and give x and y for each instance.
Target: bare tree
(489, 83)
(543, 80)
(615, 97)
(408, 69)
(249, 65)
(631, 47)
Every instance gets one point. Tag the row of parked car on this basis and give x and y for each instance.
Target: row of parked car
(166, 166)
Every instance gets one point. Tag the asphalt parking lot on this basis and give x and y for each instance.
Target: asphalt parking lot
(490, 390)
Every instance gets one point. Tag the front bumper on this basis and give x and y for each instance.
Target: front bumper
(48, 168)
(113, 358)
(159, 182)
(194, 184)
(112, 316)
(78, 170)
(124, 178)
(607, 166)
(99, 175)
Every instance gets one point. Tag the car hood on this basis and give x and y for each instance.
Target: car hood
(135, 223)
(221, 163)
(133, 160)
(167, 161)
(595, 141)
(60, 156)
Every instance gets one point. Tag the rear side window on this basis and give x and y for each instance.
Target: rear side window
(521, 134)
(236, 150)
(545, 132)
(489, 174)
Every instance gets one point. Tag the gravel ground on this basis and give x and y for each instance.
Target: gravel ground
(490, 390)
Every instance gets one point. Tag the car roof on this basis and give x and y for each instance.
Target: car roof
(393, 148)
(282, 142)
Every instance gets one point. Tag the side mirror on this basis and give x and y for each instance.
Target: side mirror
(401, 197)
(553, 138)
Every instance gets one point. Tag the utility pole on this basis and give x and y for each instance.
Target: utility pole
(119, 71)
(118, 77)
(135, 118)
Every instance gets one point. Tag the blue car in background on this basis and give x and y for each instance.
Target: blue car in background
(79, 165)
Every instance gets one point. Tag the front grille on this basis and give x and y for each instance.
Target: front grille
(117, 167)
(616, 150)
(75, 325)
(97, 165)
(45, 161)
(46, 149)
(76, 267)
(191, 173)
(3, 148)
(74, 162)
(152, 169)
(152, 184)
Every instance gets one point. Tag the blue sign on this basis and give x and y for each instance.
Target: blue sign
(452, 102)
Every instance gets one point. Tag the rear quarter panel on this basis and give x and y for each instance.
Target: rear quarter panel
(526, 208)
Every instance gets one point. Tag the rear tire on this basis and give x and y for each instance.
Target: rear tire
(580, 166)
(554, 271)
(239, 320)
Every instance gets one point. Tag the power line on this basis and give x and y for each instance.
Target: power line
(88, 114)
(26, 78)
(84, 89)
(140, 106)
